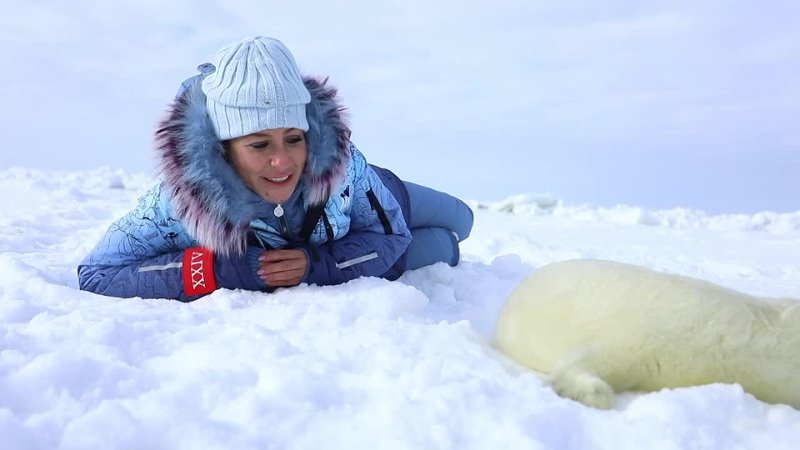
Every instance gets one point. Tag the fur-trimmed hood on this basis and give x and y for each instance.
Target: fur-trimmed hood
(209, 197)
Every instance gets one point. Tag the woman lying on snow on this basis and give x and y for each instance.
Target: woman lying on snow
(261, 188)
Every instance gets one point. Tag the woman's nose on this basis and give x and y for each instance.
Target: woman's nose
(279, 158)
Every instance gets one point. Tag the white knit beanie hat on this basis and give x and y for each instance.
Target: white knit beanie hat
(256, 86)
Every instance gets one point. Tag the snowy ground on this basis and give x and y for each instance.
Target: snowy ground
(369, 364)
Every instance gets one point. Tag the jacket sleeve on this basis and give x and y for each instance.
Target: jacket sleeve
(377, 239)
(148, 254)
(184, 275)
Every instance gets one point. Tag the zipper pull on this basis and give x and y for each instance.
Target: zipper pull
(278, 211)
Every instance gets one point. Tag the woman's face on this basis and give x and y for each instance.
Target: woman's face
(271, 161)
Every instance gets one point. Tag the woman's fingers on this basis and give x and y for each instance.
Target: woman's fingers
(289, 278)
(283, 267)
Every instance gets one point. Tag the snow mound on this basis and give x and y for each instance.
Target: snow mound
(677, 218)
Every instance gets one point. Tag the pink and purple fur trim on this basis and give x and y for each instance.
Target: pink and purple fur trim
(207, 194)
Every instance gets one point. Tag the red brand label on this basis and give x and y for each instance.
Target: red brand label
(198, 271)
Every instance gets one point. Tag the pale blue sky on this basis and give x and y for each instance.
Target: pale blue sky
(657, 104)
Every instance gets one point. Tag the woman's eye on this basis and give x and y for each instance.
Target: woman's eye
(259, 145)
(294, 139)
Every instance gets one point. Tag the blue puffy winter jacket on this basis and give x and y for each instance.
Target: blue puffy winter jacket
(201, 228)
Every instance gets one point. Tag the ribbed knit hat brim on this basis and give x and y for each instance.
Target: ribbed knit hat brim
(233, 121)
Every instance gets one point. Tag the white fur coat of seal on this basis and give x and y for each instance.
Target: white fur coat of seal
(596, 327)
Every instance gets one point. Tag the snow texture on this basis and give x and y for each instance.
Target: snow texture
(368, 364)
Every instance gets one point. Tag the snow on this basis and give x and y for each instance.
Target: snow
(368, 364)
(663, 135)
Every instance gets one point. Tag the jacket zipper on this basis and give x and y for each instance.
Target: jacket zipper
(278, 211)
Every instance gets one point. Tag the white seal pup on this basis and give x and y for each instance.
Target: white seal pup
(596, 327)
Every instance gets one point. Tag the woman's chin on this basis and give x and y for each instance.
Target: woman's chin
(279, 196)
(272, 191)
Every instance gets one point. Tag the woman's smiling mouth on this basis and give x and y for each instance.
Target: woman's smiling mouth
(277, 179)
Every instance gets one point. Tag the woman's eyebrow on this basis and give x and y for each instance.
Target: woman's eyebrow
(272, 134)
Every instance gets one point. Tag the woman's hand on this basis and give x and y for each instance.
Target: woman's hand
(283, 267)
